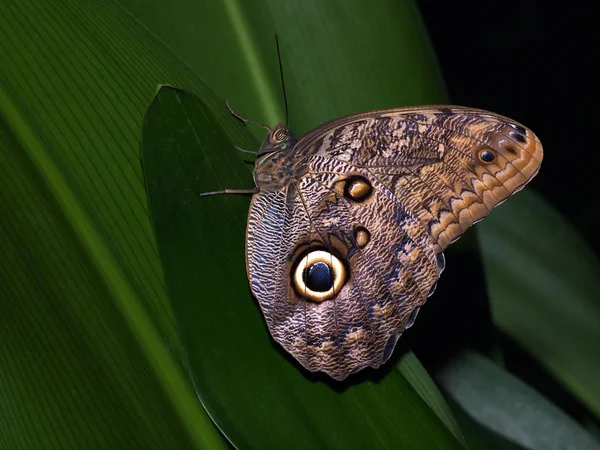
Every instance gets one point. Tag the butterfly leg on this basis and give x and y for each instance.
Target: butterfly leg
(243, 150)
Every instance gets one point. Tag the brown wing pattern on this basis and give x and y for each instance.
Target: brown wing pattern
(345, 237)
(433, 157)
(386, 280)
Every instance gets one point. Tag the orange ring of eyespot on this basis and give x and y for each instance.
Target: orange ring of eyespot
(339, 275)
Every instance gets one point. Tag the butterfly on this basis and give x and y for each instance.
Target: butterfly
(347, 225)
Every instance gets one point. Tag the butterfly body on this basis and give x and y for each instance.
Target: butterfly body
(346, 233)
(274, 168)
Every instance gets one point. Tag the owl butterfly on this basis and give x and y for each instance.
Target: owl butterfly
(347, 225)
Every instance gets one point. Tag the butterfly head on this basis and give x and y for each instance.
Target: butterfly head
(279, 139)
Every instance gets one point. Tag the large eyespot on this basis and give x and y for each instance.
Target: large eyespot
(486, 156)
(281, 135)
(319, 276)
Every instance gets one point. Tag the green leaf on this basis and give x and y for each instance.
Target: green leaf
(478, 436)
(544, 283)
(256, 393)
(507, 406)
(77, 244)
(338, 57)
(90, 354)
(411, 369)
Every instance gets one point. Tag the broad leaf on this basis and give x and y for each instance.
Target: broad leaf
(506, 405)
(256, 393)
(90, 353)
(544, 283)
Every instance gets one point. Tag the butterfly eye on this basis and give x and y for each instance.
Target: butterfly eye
(319, 276)
(281, 135)
(486, 156)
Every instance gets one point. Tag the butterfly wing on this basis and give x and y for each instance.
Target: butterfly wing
(434, 160)
(342, 256)
(344, 333)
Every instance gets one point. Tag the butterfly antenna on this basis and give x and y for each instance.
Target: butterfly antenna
(244, 120)
(282, 82)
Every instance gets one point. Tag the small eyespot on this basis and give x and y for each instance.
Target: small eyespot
(519, 128)
(319, 276)
(357, 189)
(517, 136)
(281, 135)
(486, 156)
(362, 236)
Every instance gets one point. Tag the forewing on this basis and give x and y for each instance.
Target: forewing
(434, 160)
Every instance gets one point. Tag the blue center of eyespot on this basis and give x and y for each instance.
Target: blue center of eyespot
(318, 277)
(486, 156)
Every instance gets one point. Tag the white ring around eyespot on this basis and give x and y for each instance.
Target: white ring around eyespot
(339, 275)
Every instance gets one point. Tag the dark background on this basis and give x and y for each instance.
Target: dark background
(536, 63)
(533, 63)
